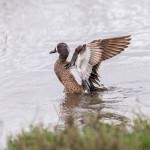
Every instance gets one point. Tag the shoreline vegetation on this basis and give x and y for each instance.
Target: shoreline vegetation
(92, 135)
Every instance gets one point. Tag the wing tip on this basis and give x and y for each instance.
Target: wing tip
(126, 37)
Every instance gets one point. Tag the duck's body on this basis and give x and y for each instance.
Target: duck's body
(66, 78)
(80, 74)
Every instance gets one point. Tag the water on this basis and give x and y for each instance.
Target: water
(30, 91)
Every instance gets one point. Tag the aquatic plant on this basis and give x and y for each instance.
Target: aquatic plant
(93, 135)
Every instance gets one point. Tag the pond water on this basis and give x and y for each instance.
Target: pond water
(30, 91)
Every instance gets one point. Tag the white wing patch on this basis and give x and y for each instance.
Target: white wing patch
(82, 63)
(76, 74)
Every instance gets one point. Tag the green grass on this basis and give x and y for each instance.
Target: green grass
(92, 136)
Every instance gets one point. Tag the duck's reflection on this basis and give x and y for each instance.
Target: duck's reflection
(76, 105)
(81, 100)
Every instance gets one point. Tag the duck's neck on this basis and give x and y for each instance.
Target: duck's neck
(63, 55)
(62, 60)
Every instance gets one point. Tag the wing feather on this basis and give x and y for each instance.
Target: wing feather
(76, 75)
(93, 53)
(113, 46)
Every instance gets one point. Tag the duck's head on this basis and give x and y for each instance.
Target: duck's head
(62, 49)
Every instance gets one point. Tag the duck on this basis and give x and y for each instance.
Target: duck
(81, 75)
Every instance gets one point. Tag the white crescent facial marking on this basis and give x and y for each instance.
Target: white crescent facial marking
(68, 49)
(56, 49)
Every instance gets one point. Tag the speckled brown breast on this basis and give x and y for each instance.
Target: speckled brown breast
(66, 78)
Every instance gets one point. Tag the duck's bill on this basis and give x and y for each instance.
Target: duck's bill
(54, 51)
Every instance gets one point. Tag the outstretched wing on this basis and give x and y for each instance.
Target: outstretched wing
(89, 56)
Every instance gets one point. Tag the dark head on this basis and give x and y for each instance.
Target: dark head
(62, 49)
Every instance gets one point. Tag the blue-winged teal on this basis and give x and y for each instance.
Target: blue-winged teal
(81, 73)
